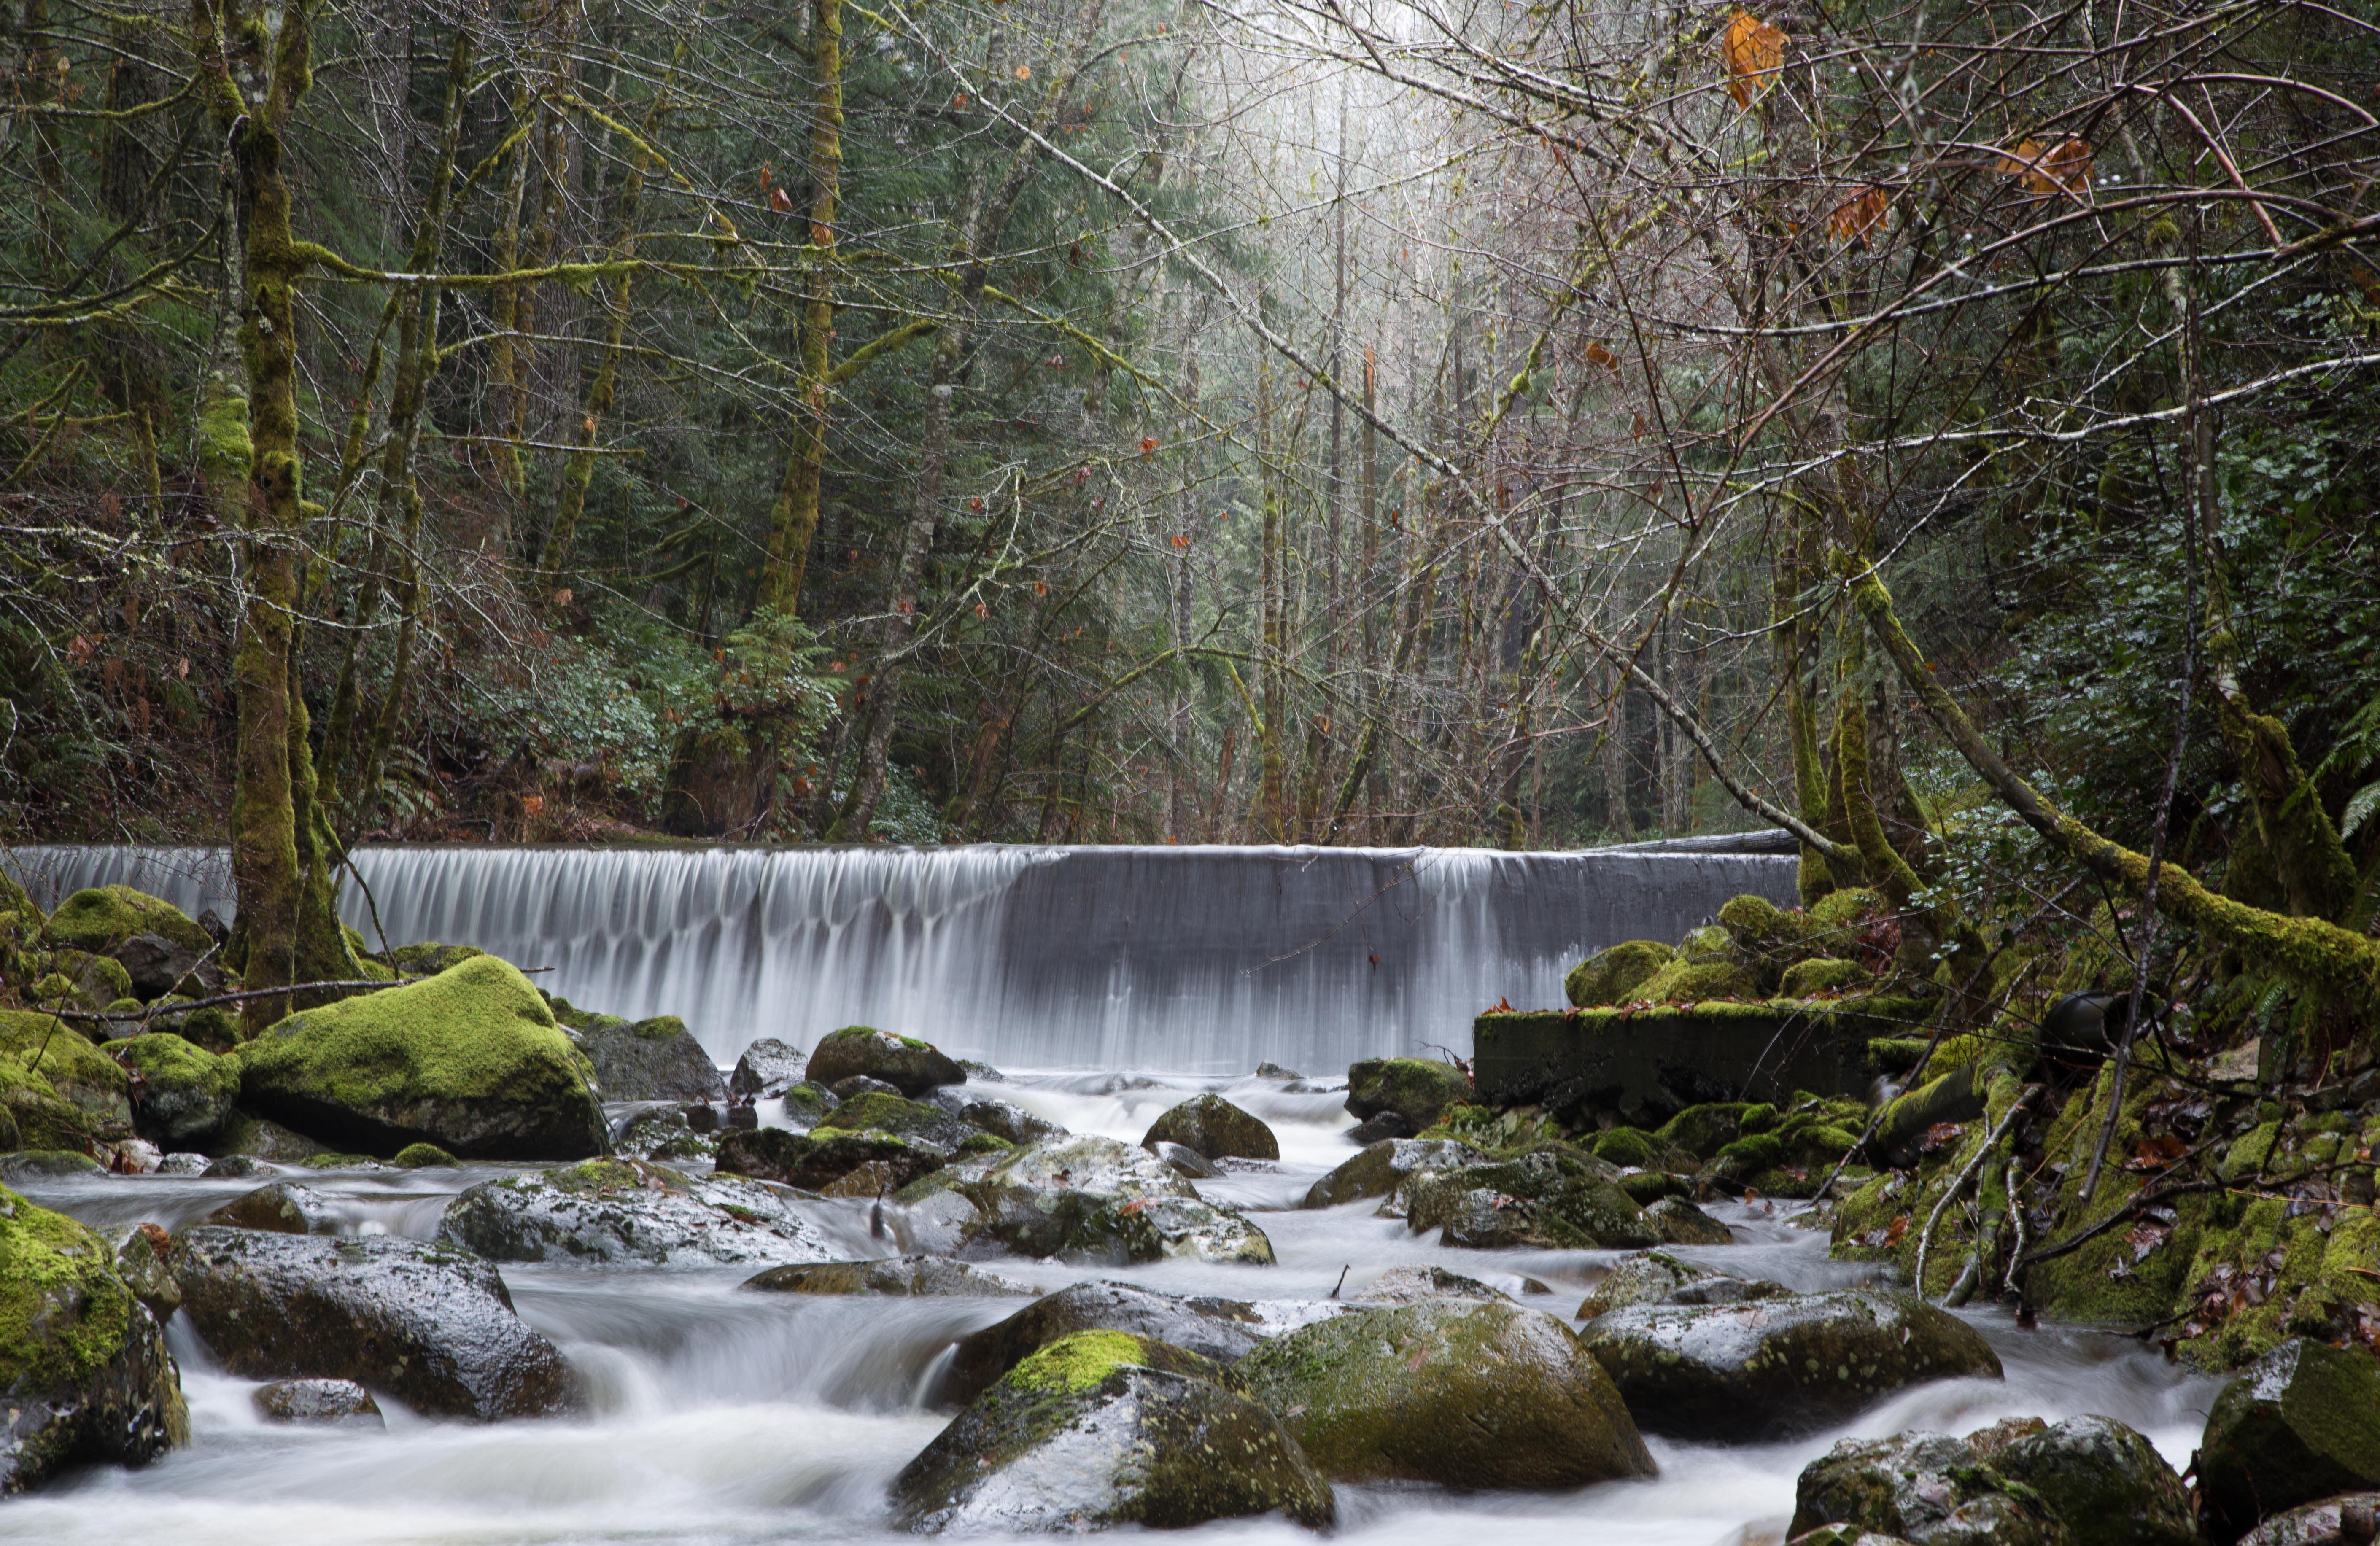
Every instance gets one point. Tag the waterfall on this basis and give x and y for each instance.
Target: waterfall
(1198, 960)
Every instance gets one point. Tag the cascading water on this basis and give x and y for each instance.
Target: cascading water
(1203, 959)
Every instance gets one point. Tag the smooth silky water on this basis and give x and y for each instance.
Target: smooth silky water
(721, 1416)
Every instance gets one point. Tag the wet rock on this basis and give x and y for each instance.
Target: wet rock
(806, 1104)
(2350, 1519)
(2303, 1422)
(186, 1095)
(141, 1262)
(158, 966)
(237, 1167)
(662, 1132)
(471, 1061)
(423, 1156)
(1779, 1364)
(83, 1366)
(104, 917)
(878, 1112)
(187, 1163)
(1416, 1089)
(1384, 1166)
(1424, 1285)
(1185, 1161)
(767, 1068)
(428, 1323)
(319, 1403)
(901, 1277)
(655, 1059)
(1552, 1196)
(628, 1211)
(46, 1064)
(1105, 1429)
(257, 1138)
(999, 1117)
(909, 1064)
(1463, 1393)
(43, 1165)
(284, 1207)
(1612, 975)
(1222, 1330)
(1215, 1128)
(860, 1084)
(1679, 1222)
(817, 1159)
(1275, 1071)
(1083, 1199)
(1387, 1124)
(982, 1073)
(1658, 1277)
(2086, 1481)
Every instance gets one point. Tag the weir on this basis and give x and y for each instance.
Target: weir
(1194, 959)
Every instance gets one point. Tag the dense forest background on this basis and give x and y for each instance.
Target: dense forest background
(1099, 420)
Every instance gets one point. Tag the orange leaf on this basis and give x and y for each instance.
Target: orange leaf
(779, 202)
(1181, 542)
(981, 611)
(1148, 444)
(1595, 354)
(1753, 51)
(2063, 167)
(1858, 215)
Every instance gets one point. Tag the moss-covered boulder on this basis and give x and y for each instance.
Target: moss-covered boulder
(185, 1094)
(614, 1210)
(1613, 974)
(429, 1324)
(103, 917)
(45, 1048)
(1416, 1089)
(894, 1276)
(1381, 1168)
(1105, 1429)
(914, 1120)
(1222, 1330)
(81, 980)
(1680, 1223)
(470, 1060)
(429, 958)
(2302, 1424)
(1780, 1365)
(1463, 1392)
(1213, 1127)
(907, 1064)
(423, 1156)
(84, 1373)
(1552, 1197)
(33, 1115)
(1689, 981)
(1807, 979)
(656, 1059)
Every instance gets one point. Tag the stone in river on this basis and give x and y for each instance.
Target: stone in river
(1551, 1196)
(817, 1159)
(1215, 1128)
(2350, 1519)
(901, 1277)
(1104, 1428)
(1383, 1166)
(1222, 1330)
(284, 1207)
(2303, 1422)
(655, 1059)
(1083, 1199)
(1416, 1089)
(629, 1211)
(909, 1064)
(767, 1068)
(1782, 1365)
(1681, 1223)
(319, 1403)
(1658, 1277)
(425, 1322)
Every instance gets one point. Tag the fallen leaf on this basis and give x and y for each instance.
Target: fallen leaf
(1753, 52)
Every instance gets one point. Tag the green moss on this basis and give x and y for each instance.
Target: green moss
(1076, 1362)
(63, 1312)
(15, 898)
(1612, 975)
(76, 1070)
(1624, 1146)
(418, 1156)
(103, 917)
(39, 1116)
(982, 1143)
(1685, 982)
(1708, 946)
(2251, 1153)
(1847, 909)
(1818, 974)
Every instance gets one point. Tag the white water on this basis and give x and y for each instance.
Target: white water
(1202, 960)
(727, 1418)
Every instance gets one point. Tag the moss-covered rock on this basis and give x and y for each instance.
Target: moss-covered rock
(428, 1323)
(1462, 1393)
(1807, 979)
(186, 1094)
(1416, 1089)
(816, 1160)
(1625, 1146)
(1491, 1130)
(1848, 910)
(1781, 1365)
(1658, 1277)
(914, 1120)
(83, 1367)
(1611, 975)
(1691, 982)
(1551, 1197)
(423, 1156)
(1104, 1428)
(33, 1115)
(1679, 1222)
(95, 983)
(1702, 1130)
(907, 1064)
(1221, 1330)
(103, 917)
(1213, 1127)
(1380, 1169)
(614, 1210)
(470, 1060)
(2303, 1423)
(896, 1276)
(45, 1047)
(1085, 1199)
(430, 957)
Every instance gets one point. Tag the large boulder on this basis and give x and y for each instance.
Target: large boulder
(2303, 1422)
(1779, 1364)
(1613, 974)
(428, 1323)
(156, 966)
(84, 1374)
(820, 1159)
(1105, 1429)
(767, 1068)
(2087, 1481)
(894, 1276)
(1383, 1167)
(1552, 1197)
(1222, 1330)
(655, 1059)
(185, 1096)
(104, 917)
(900, 1118)
(1416, 1089)
(1215, 1128)
(50, 1056)
(34, 1116)
(1462, 1393)
(1083, 1199)
(907, 1064)
(1001, 1118)
(470, 1060)
(615, 1210)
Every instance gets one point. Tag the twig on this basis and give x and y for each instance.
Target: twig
(241, 998)
(1959, 1182)
(2016, 1220)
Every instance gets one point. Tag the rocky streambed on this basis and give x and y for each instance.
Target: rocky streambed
(695, 1407)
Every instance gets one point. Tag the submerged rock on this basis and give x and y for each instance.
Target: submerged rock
(1778, 1365)
(1384, 1166)
(767, 1068)
(284, 1208)
(1424, 1285)
(1416, 1089)
(319, 1403)
(1464, 1393)
(471, 1061)
(900, 1276)
(1104, 1428)
(1222, 1330)
(83, 1366)
(1214, 1129)
(907, 1064)
(1552, 1196)
(628, 1211)
(2302, 1424)
(425, 1322)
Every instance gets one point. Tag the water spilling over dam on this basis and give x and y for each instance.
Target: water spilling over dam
(1193, 959)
